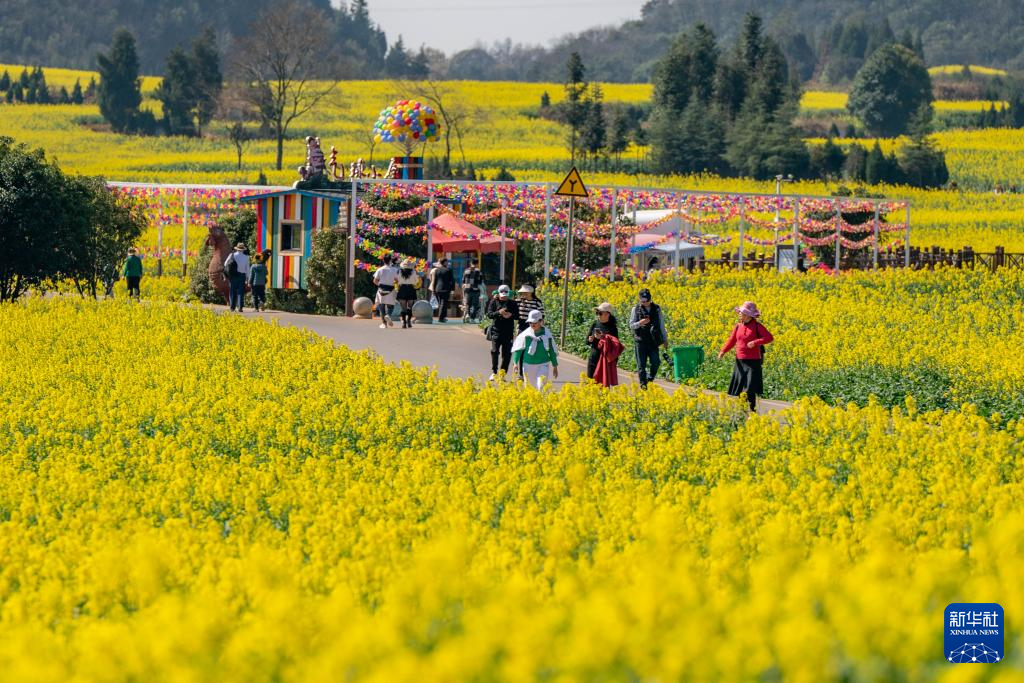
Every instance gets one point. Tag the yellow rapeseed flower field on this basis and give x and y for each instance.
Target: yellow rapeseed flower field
(186, 496)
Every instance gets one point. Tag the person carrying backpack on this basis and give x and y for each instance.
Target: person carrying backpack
(472, 280)
(648, 325)
(133, 273)
(236, 268)
(749, 337)
(442, 282)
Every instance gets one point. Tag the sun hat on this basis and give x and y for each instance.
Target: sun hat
(504, 289)
(526, 289)
(407, 263)
(748, 308)
(535, 316)
(240, 246)
(645, 294)
(603, 307)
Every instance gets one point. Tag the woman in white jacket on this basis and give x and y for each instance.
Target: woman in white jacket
(534, 352)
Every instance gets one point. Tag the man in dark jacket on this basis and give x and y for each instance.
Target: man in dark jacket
(442, 282)
(472, 280)
(504, 312)
(648, 327)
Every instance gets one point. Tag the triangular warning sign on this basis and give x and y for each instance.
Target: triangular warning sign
(572, 186)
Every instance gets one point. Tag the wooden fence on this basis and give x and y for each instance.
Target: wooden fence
(887, 258)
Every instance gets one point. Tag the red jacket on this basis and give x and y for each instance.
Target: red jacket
(607, 372)
(748, 332)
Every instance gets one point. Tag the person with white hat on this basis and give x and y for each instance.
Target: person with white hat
(236, 267)
(534, 352)
(527, 302)
(749, 337)
(385, 279)
(605, 323)
(408, 285)
(503, 312)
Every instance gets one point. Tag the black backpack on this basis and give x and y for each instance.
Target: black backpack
(232, 268)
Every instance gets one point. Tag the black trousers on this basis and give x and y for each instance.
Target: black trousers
(133, 285)
(504, 347)
(259, 295)
(592, 360)
(442, 305)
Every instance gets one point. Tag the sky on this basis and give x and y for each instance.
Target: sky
(453, 25)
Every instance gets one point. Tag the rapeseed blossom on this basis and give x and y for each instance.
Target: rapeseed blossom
(200, 497)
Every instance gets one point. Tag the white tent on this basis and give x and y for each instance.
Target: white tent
(665, 251)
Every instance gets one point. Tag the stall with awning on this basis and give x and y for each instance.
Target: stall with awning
(452, 234)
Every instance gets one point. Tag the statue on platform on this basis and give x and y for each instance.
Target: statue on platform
(313, 175)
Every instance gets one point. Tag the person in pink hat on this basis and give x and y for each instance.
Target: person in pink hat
(749, 337)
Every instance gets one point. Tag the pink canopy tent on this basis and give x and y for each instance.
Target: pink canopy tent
(457, 243)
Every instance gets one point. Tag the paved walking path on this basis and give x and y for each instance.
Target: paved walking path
(453, 349)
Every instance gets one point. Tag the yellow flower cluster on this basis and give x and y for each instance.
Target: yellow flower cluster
(186, 496)
(946, 337)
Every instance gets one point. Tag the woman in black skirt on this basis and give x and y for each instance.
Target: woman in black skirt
(749, 337)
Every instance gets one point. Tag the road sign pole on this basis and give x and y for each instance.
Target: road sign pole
(568, 271)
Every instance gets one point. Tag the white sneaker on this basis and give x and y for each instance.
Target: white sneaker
(492, 377)
(383, 326)
(387, 320)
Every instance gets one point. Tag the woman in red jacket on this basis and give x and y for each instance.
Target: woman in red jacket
(749, 337)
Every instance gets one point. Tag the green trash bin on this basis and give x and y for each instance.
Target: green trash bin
(686, 361)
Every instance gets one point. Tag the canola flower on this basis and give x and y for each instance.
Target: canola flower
(215, 499)
(946, 337)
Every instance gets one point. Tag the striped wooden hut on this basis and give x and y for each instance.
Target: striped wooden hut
(285, 223)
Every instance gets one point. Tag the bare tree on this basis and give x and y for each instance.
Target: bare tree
(286, 51)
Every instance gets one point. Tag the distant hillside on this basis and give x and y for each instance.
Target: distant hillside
(70, 32)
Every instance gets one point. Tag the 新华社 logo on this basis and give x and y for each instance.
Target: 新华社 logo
(974, 633)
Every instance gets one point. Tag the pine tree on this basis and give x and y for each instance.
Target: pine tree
(397, 62)
(594, 133)
(24, 79)
(545, 100)
(65, 98)
(119, 92)
(208, 78)
(42, 90)
(90, 90)
(76, 93)
(177, 93)
(855, 166)
(5, 81)
(875, 170)
(889, 89)
(575, 106)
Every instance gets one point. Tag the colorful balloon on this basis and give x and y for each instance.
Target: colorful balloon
(408, 124)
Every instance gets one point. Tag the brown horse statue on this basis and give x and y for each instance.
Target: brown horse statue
(217, 240)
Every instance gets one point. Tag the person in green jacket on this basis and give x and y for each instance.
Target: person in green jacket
(258, 282)
(133, 273)
(534, 353)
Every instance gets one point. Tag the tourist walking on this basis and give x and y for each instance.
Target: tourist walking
(527, 302)
(258, 282)
(503, 311)
(648, 326)
(385, 279)
(472, 281)
(604, 324)
(236, 267)
(609, 349)
(749, 337)
(408, 285)
(132, 273)
(534, 352)
(442, 282)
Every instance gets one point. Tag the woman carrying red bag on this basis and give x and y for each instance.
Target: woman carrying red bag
(749, 337)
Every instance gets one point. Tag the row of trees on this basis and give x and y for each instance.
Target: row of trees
(31, 88)
(56, 227)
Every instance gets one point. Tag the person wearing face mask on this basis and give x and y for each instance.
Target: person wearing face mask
(648, 326)
(749, 337)
(534, 352)
(503, 313)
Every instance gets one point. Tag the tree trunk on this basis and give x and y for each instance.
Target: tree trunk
(280, 147)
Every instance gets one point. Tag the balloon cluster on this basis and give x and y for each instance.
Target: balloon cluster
(407, 123)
